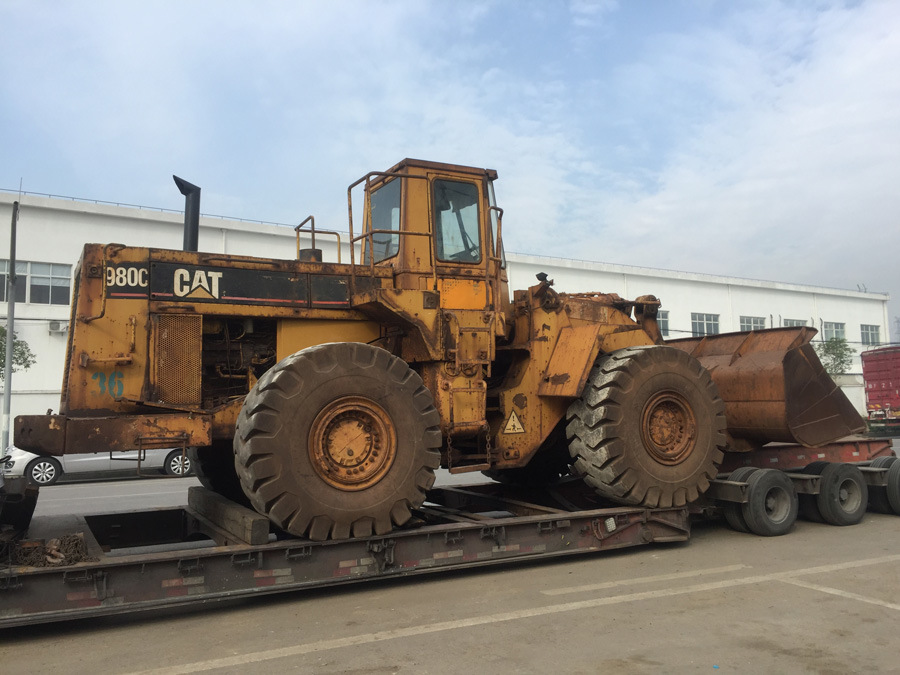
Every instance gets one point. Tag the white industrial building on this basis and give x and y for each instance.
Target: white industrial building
(52, 231)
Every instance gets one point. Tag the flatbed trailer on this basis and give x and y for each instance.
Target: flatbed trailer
(212, 549)
(145, 560)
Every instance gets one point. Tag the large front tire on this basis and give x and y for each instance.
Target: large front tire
(338, 440)
(649, 428)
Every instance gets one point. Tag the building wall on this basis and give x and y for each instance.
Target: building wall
(54, 230)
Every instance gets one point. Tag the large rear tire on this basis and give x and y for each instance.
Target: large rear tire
(338, 440)
(649, 428)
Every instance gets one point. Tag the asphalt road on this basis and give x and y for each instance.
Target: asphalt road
(820, 600)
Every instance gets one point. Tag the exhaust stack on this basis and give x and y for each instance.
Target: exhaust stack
(191, 213)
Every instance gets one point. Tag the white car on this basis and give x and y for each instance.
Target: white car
(47, 470)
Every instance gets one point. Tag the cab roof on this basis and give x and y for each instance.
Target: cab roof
(407, 163)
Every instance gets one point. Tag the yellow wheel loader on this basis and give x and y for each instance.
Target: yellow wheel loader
(325, 394)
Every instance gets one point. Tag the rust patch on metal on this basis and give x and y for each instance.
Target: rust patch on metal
(571, 362)
(774, 386)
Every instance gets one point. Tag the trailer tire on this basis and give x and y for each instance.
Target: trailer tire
(734, 514)
(649, 427)
(338, 440)
(809, 507)
(878, 494)
(843, 495)
(213, 465)
(771, 507)
(893, 487)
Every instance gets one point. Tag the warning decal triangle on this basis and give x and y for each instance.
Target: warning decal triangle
(513, 425)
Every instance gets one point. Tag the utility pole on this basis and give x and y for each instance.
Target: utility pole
(10, 321)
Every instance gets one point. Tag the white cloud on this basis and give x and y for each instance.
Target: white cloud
(750, 139)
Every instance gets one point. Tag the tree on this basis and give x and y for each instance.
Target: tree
(22, 359)
(836, 355)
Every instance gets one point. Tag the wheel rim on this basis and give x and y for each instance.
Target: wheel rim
(668, 428)
(778, 504)
(43, 472)
(352, 443)
(849, 495)
(179, 465)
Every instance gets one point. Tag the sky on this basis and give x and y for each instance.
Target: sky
(756, 139)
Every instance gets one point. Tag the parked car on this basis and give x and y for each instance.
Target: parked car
(47, 470)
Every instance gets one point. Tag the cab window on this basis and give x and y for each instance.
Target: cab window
(456, 231)
(385, 209)
(492, 200)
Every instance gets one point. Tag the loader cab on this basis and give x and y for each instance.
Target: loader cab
(439, 228)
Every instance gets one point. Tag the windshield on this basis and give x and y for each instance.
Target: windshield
(456, 231)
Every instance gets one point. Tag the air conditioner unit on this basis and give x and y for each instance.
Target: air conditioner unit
(59, 326)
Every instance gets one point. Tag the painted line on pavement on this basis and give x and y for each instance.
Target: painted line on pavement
(842, 594)
(239, 660)
(644, 580)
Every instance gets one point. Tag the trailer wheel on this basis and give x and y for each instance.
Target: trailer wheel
(893, 487)
(337, 440)
(809, 507)
(213, 466)
(734, 515)
(649, 428)
(771, 508)
(878, 494)
(843, 494)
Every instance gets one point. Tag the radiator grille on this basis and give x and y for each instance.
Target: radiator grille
(178, 344)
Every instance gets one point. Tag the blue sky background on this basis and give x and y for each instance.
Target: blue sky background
(755, 139)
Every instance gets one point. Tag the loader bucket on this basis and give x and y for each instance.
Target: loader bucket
(774, 387)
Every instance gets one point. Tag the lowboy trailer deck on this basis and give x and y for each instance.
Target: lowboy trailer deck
(144, 560)
(213, 549)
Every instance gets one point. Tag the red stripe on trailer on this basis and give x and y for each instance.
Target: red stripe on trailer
(81, 595)
(793, 456)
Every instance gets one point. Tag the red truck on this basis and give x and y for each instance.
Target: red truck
(881, 373)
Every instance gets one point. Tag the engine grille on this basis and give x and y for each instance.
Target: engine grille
(178, 348)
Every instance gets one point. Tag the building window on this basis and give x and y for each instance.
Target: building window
(833, 330)
(704, 324)
(870, 334)
(753, 323)
(791, 323)
(662, 318)
(21, 273)
(38, 283)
